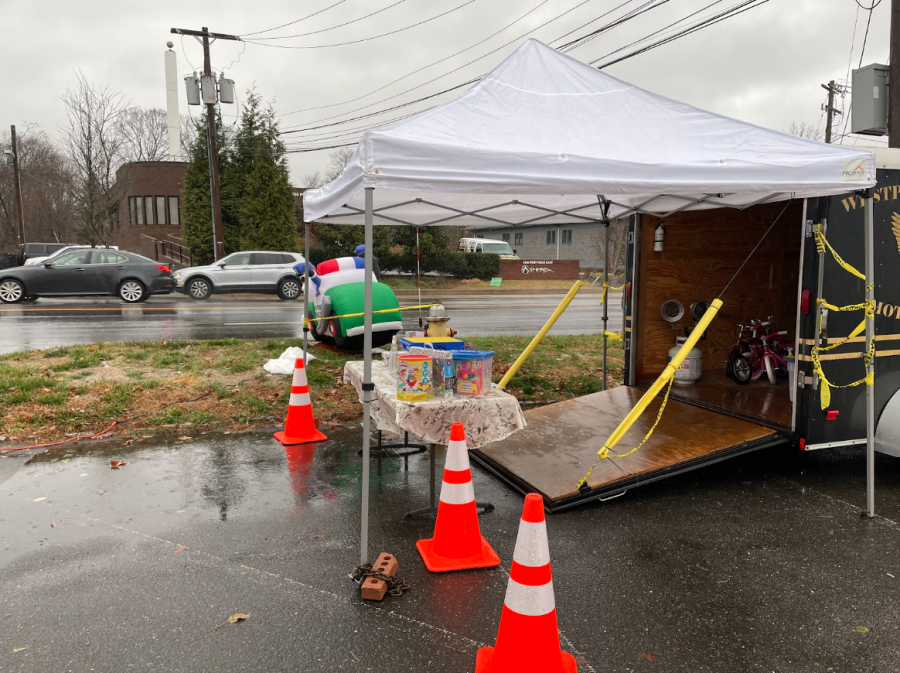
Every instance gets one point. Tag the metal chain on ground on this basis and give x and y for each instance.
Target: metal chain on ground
(396, 585)
(604, 452)
(867, 306)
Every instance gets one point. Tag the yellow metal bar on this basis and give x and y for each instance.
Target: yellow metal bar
(570, 295)
(663, 379)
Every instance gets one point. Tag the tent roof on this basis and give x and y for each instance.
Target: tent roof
(543, 138)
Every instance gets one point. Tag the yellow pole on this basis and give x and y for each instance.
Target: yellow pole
(540, 335)
(663, 379)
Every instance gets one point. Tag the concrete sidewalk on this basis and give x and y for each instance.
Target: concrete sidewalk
(757, 564)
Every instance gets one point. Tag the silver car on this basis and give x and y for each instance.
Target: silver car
(262, 272)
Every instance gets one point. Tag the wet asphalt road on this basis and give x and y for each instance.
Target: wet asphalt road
(61, 322)
(757, 564)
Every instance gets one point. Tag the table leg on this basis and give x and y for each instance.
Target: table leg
(485, 506)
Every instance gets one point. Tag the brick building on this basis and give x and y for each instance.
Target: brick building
(150, 205)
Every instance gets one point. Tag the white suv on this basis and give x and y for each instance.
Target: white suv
(263, 272)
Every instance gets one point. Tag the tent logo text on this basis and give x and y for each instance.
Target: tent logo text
(854, 171)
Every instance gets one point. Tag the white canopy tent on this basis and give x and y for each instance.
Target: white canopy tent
(546, 139)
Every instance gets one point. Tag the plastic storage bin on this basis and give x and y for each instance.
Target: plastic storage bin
(415, 378)
(472, 370)
(438, 343)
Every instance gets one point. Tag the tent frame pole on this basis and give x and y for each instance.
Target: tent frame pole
(305, 292)
(605, 205)
(368, 387)
(869, 219)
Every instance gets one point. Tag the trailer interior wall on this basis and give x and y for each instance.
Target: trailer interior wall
(701, 252)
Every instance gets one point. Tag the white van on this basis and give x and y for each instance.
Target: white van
(501, 248)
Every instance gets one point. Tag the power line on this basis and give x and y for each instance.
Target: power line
(584, 39)
(866, 36)
(410, 74)
(704, 23)
(291, 23)
(868, 9)
(365, 39)
(434, 79)
(747, 5)
(340, 25)
(661, 30)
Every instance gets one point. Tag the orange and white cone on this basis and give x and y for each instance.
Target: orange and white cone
(300, 427)
(528, 638)
(457, 543)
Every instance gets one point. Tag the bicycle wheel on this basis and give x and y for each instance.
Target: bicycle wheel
(770, 369)
(741, 370)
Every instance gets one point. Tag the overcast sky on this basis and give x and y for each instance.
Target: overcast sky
(764, 66)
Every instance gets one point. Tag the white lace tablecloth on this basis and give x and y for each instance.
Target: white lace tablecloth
(487, 418)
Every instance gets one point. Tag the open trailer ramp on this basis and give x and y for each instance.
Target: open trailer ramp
(561, 441)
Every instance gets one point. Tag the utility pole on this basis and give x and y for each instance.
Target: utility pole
(830, 111)
(214, 187)
(20, 217)
(894, 78)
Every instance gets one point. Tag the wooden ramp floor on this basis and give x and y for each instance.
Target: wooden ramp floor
(560, 443)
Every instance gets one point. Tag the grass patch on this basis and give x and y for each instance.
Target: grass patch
(53, 399)
(51, 393)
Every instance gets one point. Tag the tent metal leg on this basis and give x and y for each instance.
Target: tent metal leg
(306, 292)
(870, 336)
(605, 293)
(367, 385)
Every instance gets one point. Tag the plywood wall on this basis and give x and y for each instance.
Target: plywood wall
(702, 251)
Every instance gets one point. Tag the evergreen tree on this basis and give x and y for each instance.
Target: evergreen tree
(259, 189)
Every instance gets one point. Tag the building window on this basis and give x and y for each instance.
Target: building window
(551, 237)
(479, 235)
(174, 217)
(506, 238)
(519, 238)
(566, 238)
(139, 209)
(148, 205)
(161, 209)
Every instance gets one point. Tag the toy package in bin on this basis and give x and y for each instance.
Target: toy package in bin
(472, 369)
(443, 380)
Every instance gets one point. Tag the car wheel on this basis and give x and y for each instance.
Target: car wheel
(288, 289)
(132, 291)
(199, 288)
(11, 291)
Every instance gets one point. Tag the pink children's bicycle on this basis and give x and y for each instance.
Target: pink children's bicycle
(758, 349)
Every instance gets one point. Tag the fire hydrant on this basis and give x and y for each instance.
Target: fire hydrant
(437, 322)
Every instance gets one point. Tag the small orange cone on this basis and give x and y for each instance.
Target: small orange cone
(457, 543)
(300, 427)
(528, 638)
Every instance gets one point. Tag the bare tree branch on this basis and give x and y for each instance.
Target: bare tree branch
(145, 134)
(96, 148)
(805, 130)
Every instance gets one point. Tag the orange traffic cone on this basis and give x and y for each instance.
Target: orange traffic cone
(528, 638)
(300, 427)
(457, 543)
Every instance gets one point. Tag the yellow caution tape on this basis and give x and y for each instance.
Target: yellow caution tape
(604, 452)
(356, 315)
(615, 336)
(867, 306)
(820, 240)
(606, 288)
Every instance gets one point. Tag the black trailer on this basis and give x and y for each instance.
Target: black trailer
(715, 418)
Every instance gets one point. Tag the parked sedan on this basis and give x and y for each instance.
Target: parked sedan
(262, 272)
(85, 272)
